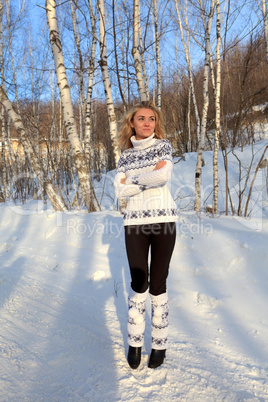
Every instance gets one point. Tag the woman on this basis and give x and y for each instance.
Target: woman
(149, 220)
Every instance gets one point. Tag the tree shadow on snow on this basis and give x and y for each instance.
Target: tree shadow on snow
(113, 236)
(78, 361)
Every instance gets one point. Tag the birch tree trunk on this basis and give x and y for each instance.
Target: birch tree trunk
(81, 92)
(136, 53)
(188, 147)
(4, 194)
(264, 12)
(46, 184)
(217, 111)
(224, 127)
(88, 196)
(3, 171)
(5, 133)
(107, 84)
(143, 64)
(158, 57)
(205, 105)
(124, 52)
(88, 139)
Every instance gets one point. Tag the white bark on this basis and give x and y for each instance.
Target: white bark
(88, 128)
(136, 53)
(2, 138)
(82, 103)
(82, 167)
(158, 57)
(2, 46)
(217, 111)
(3, 176)
(188, 142)
(143, 63)
(107, 84)
(264, 12)
(5, 140)
(205, 105)
(88, 139)
(124, 53)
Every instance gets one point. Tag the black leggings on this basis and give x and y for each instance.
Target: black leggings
(161, 237)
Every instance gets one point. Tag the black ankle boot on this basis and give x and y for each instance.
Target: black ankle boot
(156, 358)
(134, 357)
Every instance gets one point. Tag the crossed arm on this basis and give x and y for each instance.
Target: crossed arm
(158, 166)
(129, 186)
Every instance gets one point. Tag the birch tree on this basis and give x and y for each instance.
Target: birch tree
(81, 92)
(106, 82)
(143, 62)
(224, 151)
(262, 5)
(264, 13)
(207, 24)
(136, 53)
(88, 138)
(158, 56)
(88, 195)
(3, 194)
(217, 110)
(3, 171)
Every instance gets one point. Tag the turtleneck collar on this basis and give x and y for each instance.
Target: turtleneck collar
(142, 144)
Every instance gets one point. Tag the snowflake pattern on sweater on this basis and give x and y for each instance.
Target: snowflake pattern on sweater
(149, 198)
(141, 158)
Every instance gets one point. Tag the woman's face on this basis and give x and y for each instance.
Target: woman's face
(143, 123)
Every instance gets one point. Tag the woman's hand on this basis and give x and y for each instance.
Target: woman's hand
(123, 181)
(160, 165)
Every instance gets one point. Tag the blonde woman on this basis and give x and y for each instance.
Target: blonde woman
(143, 171)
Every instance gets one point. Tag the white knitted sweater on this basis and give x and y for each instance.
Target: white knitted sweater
(149, 198)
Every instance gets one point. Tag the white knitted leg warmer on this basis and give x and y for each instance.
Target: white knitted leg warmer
(160, 322)
(136, 317)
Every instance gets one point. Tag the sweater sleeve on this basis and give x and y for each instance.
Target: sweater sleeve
(156, 178)
(125, 190)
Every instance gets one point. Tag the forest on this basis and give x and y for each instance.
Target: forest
(71, 69)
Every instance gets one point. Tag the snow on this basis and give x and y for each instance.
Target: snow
(63, 301)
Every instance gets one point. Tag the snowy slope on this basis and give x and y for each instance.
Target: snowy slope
(63, 293)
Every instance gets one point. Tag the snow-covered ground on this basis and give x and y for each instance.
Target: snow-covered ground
(63, 291)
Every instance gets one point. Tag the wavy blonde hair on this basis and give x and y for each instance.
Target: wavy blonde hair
(127, 131)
